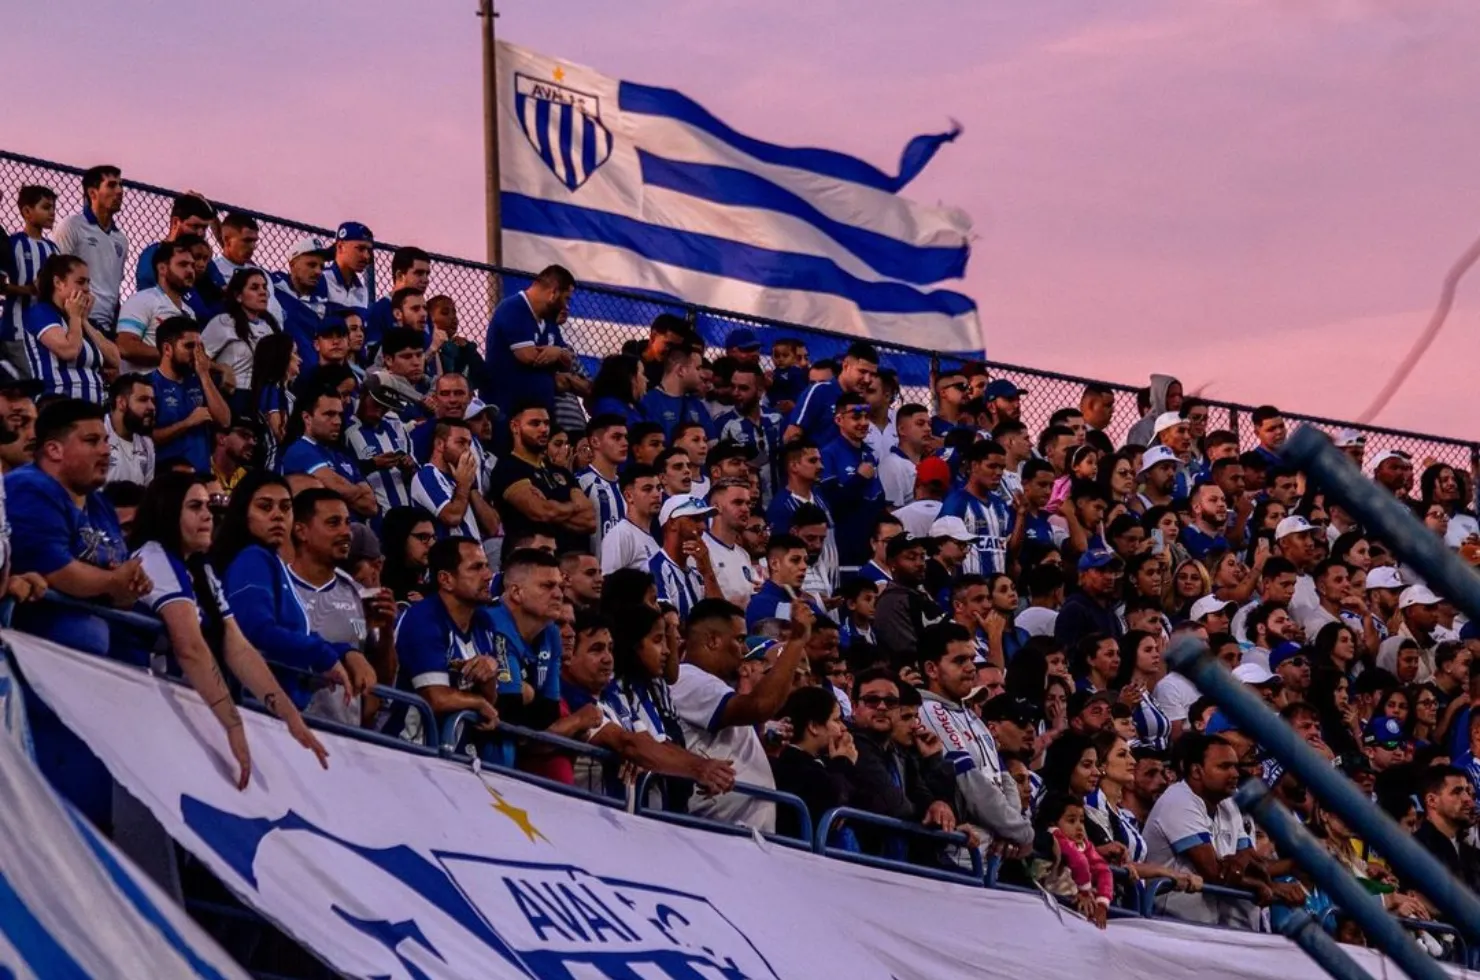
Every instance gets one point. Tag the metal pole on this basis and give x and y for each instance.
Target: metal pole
(1304, 931)
(1189, 656)
(492, 212)
(1295, 841)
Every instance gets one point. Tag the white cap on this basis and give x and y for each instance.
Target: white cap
(1157, 455)
(684, 505)
(1346, 438)
(1254, 674)
(1209, 604)
(1384, 577)
(1386, 455)
(1166, 420)
(953, 528)
(1294, 524)
(308, 245)
(1417, 595)
(475, 408)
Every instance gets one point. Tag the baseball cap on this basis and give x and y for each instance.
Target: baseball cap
(1007, 707)
(683, 505)
(1218, 723)
(1002, 388)
(329, 325)
(742, 338)
(953, 528)
(1254, 675)
(1347, 438)
(1157, 455)
(1211, 604)
(11, 380)
(1167, 420)
(476, 407)
(1080, 700)
(1098, 558)
(1284, 652)
(353, 231)
(933, 469)
(385, 392)
(240, 421)
(1418, 595)
(1386, 455)
(1384, 577)
(309, 245)
(1470, 631)
(363, 544)
(1295, 524)
(1383, 730)
(901, 543)
(730, 449)
(756, 647)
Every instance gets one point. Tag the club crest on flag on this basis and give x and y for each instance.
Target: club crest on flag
(564, 127)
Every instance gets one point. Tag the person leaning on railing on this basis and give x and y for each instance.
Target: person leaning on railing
(170, 539)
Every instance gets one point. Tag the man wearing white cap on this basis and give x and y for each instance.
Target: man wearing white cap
(1295, 537)
(1213, 613)
(1419, 607)
(682, 570)
(1158, 478)
(1393, 471)
(1174, 431)
(1384, 585)
(952, 543)
(1352, 443)
(1267, 685)
(303, 295)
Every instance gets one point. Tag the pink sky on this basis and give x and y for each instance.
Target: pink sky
(1259, 196)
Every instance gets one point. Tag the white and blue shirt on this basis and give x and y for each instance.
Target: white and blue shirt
(275, 398)
(1180, 821)
(306, 456)
(1153, 728)
(681, 586)
(1127, 831)
(104, 252)
(352, 292)
(301, 315)
(142, 314)
(991, 521)
(81, 377)
(779, 514)
(172, 583)
(433, 490)
(20, 263)
(764, 435)
(222, 269)
(606, 498)
(386, 436)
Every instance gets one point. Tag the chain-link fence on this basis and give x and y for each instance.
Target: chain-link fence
(602, 319)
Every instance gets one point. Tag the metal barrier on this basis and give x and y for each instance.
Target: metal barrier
(603, 318)
(788, 800)
(897, 827)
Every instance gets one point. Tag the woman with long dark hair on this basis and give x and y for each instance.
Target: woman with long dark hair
(1141, 668)
(618, 388)
(231, 337)
(65, 352)
(275, 364)
(171, 535)
(1336, 648)
(406, 538)
(1341, 727)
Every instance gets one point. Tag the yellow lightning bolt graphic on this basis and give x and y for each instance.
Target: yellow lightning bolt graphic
(520, 818)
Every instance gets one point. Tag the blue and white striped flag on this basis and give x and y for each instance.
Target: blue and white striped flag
(635, 186)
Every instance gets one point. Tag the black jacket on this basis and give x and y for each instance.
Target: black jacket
(901, 616)
(821, 783)
(1463, 862)
(896, 783)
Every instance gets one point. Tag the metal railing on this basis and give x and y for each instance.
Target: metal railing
(603, 318)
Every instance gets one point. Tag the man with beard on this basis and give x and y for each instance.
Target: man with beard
(747, 425)
(17, 416)
(904, 609)
(445, 487)
(147, 310)
(186, 399)
(130, 450)
(317, 452)
(235, 450)
(527, 490)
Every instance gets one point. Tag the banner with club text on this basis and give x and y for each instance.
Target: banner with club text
(393, 864)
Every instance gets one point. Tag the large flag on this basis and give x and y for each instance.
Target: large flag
(635, 186)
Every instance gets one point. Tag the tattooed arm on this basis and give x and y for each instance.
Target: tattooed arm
(182, 621)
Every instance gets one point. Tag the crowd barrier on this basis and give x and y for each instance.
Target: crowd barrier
(602, 318)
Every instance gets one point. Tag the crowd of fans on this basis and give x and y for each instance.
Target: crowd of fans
(725, 573)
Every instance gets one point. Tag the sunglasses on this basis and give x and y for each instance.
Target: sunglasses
(957, 386)
(1298, 662)
(879, 701)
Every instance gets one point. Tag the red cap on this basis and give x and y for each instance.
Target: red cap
(933, 469)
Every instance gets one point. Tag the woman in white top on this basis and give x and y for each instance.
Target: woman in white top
(230, 338)
(1444, 487)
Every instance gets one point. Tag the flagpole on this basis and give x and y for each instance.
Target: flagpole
(495, 251)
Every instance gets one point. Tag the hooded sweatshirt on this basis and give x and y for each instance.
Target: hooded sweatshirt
(1141, 433)
(989, 795)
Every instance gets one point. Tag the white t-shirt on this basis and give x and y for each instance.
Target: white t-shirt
(224, 347)
(1461, 526)
(732, 567)
(918, 516)
(897, 474)
(141, 315)
(1180, 821)
(1175, 694)
(104, 252)
(130, 460)
(626, 546)
(700, 698)
(1304, 597)
(4, 529)
(1037, 620)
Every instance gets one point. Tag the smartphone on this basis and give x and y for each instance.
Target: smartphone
(1158, 541)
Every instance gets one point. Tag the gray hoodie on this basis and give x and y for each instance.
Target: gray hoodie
(1141, 432)
(989, 795)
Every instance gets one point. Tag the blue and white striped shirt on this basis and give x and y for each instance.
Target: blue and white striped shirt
(387, 436)
(606, 497)
(433, 490)
(81, 377)
(275, 398)
(682, 587)
(1152, 727)
(352, 292)
(21, 262)
(991, 520)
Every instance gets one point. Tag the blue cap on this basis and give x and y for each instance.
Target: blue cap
(332, 323)
(1097, 558)
(756, 647)
(353, 231)
(1383, 730)
(1283, 652)
(1470, 631)
(1218, 723)
(1002, 388)
(742, 338)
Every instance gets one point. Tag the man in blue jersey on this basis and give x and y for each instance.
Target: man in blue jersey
(607, 437)
(876, 569)
(445, 486)
(186, 400)
(317, 452)
(1030, 517)
(451, 395)
(850, 479)
(981, 508)
(786, 569)
(952, 391)
(675, 398)
(191, 214)
(1209, 520)
(302, 295)
(813, 414)
(527, 639)
(522, 351)
(746, 424)
(802, 464)
(378, 439)
(1269, 429)
(682, 570)
(411, 268)
(447, 643)
(25, 251)
(354, 250)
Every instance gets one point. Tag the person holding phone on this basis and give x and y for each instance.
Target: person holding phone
(1142, 667)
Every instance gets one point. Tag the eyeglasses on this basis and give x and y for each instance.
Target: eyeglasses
(423, 536)
(1427, 703)
(879, 701)
(1298, 662)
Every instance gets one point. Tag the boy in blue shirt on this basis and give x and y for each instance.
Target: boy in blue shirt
(850, 479)
(25, 251)
(317, 452)
(187, 401)
(786, 567)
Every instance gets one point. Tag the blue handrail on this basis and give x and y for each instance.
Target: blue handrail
(789, 800)
(825, 825)
(454, 725)
(123, 617)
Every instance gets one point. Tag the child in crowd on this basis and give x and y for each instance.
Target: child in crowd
(1078, 870)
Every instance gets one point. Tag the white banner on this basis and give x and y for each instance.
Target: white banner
(397, 865)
